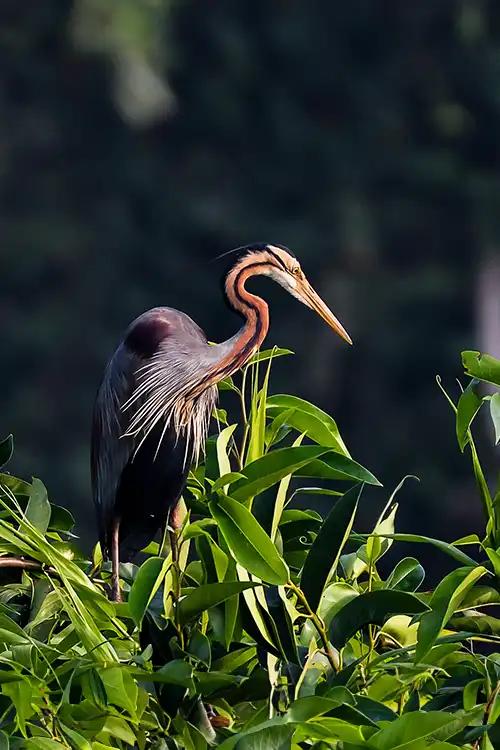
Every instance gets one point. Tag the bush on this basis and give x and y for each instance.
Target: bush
(272, 627)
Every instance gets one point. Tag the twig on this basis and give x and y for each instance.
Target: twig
(317, 622)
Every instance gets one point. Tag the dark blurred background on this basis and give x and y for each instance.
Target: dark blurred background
(141, 138)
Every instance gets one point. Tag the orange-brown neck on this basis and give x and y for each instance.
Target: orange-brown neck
(249, 305)
(237, 350)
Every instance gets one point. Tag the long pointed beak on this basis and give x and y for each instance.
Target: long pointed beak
(314, 301)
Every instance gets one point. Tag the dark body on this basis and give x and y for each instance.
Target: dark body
(137, 482)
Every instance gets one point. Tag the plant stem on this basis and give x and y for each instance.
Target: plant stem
(317, 622)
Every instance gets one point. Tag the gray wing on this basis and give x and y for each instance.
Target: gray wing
(162, 353)
(110, 451)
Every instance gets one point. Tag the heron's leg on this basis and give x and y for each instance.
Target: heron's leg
(115, 561)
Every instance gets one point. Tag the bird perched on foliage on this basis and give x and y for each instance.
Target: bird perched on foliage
(157, 395)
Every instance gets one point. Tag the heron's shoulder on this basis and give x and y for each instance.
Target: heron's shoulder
(147, 332)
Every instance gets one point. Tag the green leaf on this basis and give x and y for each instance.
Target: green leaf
(248, 542)
(226, 479)
(309, 420)
(267, 354)
(407, 575)
(271, 468)
(97, 688)
(301, 460)
(38, 510)
(323, 557)
(482, 366)
(449, 549)
(468, 406)
(207, 596)
(176, 672)
(409, 731)
(60, 518)
(495, 415)
(121, 688)
(338, 467)
(311, 706)
(6, 450)
(271, 738)
(221, 449)
(372, 607)
(279, 503)
(444, 601)
(144, 587)
(257, 420)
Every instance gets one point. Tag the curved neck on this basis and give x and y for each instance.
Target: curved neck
(229, 356)
(253, 308)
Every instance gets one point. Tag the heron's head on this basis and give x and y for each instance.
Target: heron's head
(280, 264)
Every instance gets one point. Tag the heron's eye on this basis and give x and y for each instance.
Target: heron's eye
(296, 270)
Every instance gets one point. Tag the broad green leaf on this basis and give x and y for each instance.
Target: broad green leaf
(6, 450)
(301, 460)
(226, 479)
(495, 415)
(248, 542)
(146, 584)
(309, 420)
(337, 467)
(38, 510)
(323, 557)
(407, 575)
(311, 706)
(411, 728)
(209, 595)
(271, 468)
(468, 406)
(482, 366)
(121, 688)
(176, 672)
(78, 740)
(372, 607)
(272, 738)
(446, 598)
(4, 741)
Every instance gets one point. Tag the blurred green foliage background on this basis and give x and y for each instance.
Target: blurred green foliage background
(141, 138)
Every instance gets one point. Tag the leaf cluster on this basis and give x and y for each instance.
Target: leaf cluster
(267, 625)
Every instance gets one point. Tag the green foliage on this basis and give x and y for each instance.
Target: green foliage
(270, 627)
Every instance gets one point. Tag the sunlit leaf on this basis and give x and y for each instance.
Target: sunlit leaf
(309, 420)
(146, 583)
(38, 511)
(248, 542)
(482, 366)
(444, 601)
(407, 575)
(468, 406)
